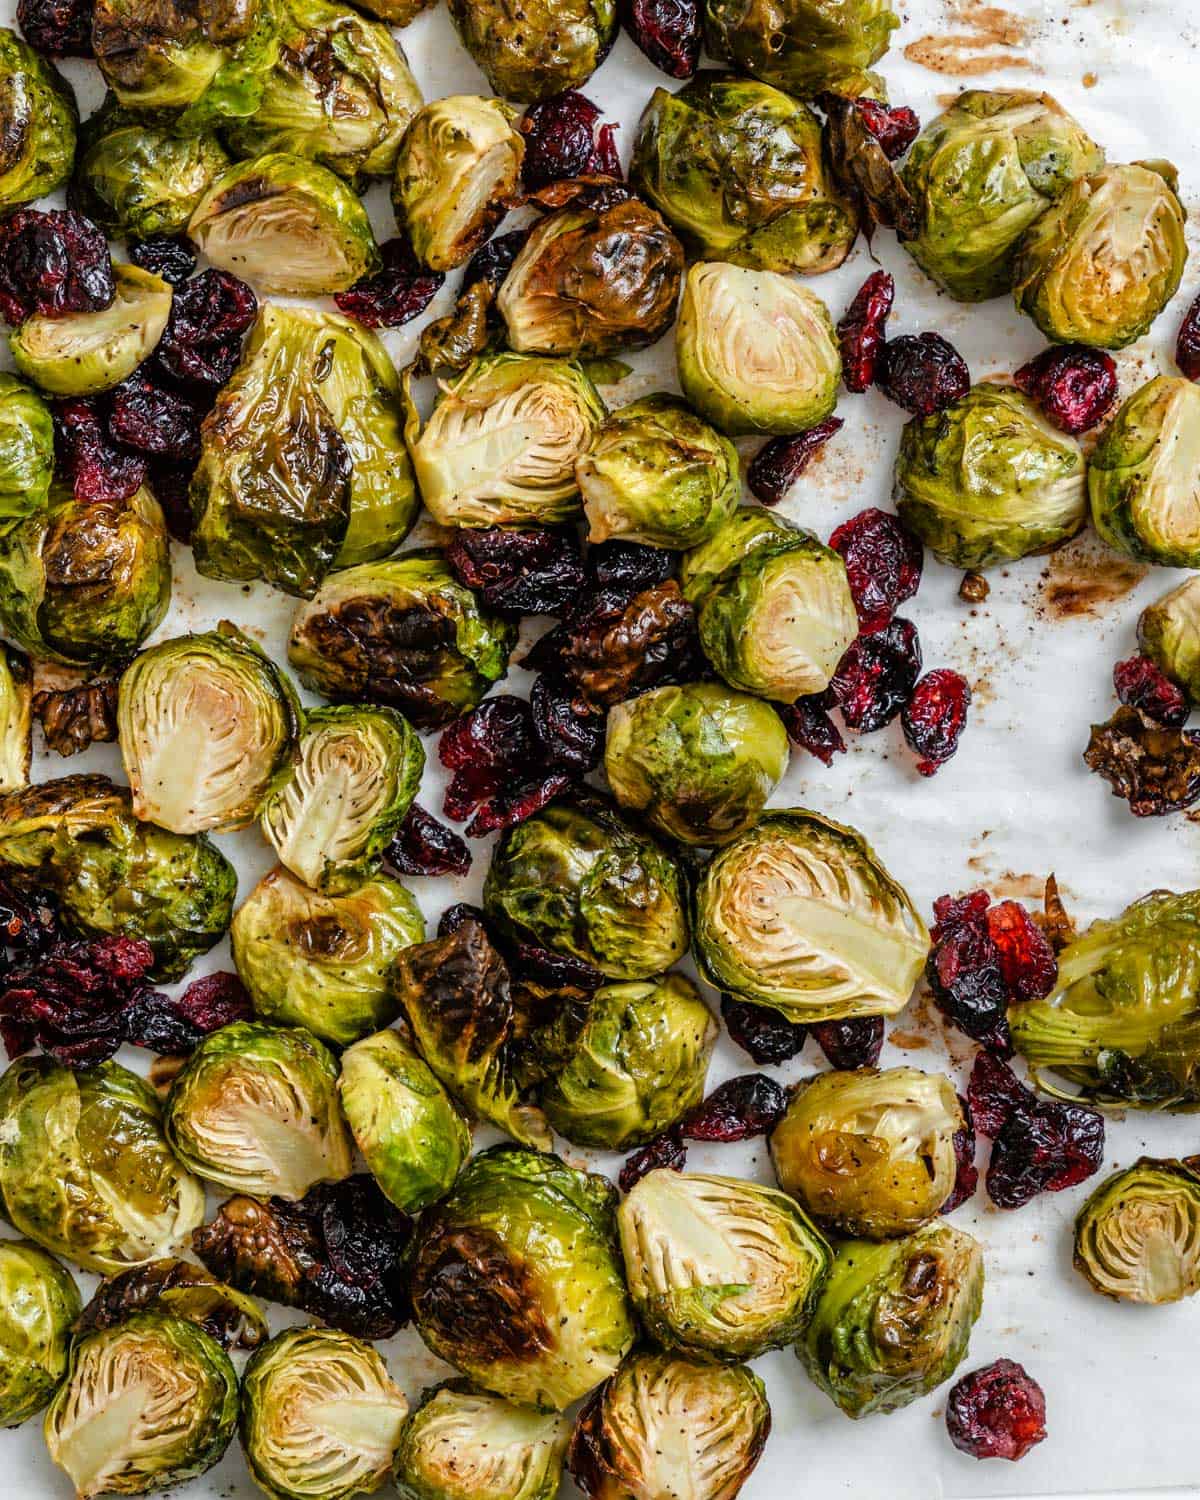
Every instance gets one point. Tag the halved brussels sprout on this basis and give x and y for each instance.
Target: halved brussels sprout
(412, 1137)
(738, 171)
(719, 1268)
(981, 173)
(16, 721)
(1101, 264)
(664, 1426)
(578, 879)
(989, 480)
(77, 837)
(457, 172)
(501, 443)
(39, 1302)
(85, 1170)
(756, 351)
(1137, 1238)
(38, 119)
(801, 46)
(404, 633)
(149, 1403)
(870, 1153)
(516, 1278)
(205, 723)
(87, 352)
(287, 225)
(183, 1290)
(26, 451)
(324, 962)
(798, 914)
(539, 48)
(1169, 634)
(463, 1444)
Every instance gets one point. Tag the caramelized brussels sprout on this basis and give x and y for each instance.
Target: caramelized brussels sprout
(801, 46)
(39, 1302)
(16, 723)
(461, 1444)
(184, 1291)
(1137, 1238)
(26, 451)
(1169, 634)
(38, 119)
(539, 48)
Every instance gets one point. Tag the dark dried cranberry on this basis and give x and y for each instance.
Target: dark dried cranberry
(779, 463)
(853, 1043)
(749, 1105)
(529, 572)
(97, 470)
(1141, 684)
(895, 129)
(664, 1151)
(28, 924)
(485, 748)
(493, 261)
(426, 847)
(935, 716)
(875, 678)
(1027, 960)
(515, 803)
(171, 484)
(808, 724)
(570, 735)
(561, 971)
(628, 565)
(1075, 387)
(883, 565)
(202, 341)
(454, 917)
(1187, 347)
(1156, 770)
(396, 293)
(963, 969)
(52, 262)
(152, 419)
(922, 372)
(763, 1033)
(666, 31)
(170, 256)
(57, 28)
(996, 1412)
(562, 141)
(863, 329)
(966, 1178)
(177, 1026)
(993, 1093)
(1044, 1150)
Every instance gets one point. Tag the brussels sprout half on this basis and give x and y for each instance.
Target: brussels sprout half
(1169, 634)
(801, 46)
(462, 1444)
(38, 119)
(16, 721)
(1137, 1238)
(26, 451)
(538, 48)
(39, 1303)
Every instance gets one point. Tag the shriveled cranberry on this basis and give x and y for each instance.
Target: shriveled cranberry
(426, 847)
(762, 1032)
(97, 469)
(202, 341)
(454, 916)
(1075, 387)
(177, 1026)
(28, 924)
(562, 140)
(628, 565)
(170, 483)
(1187, 346)
(52, 262)
(493, 261)
(996, 1412)
(664, 1151)
(569, 734)
(737, 1110)
(666, 31)
(1027, 960)
(57, 28)
(498, 773)
(966, 1178)
(935, 716)
(146, 415)
(1155, 769)
(875, 678)
(922, 372)
(395, 294)
(883, 565)
(538, 571)
(173, 257)
(863, 329)
(808, 725)
(1140, 683)
(964, 973)
(853, 1043)
(895, 129)
(993, 1093)
(779, 463)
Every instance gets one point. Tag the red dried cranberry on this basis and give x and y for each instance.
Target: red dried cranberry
(454, 916)
(996, 1412)
(664, 1151)
(177, 1026)
(993, 1093)
(883, 565)
(894, 129)
(202, 341)
(966, 1178)
(530, 572)
(426, 847)
(853, 1043)
(1141, 684)
(493, 753)
(628, 565)
(493, 261)
(779, 463)
(1187, 347)
(1075, 387)
(923, 373)
(57, 28)
(396, 293)
(963, 970)
(763, 1033)
(875, 678)
(170, 256)
(666, 31)
(935, 716)
(52, 262)
(146, 416)
(562, 140)
(570, 736)
(552, 970)
(736, 1110)
(95, 467)
(808, 725)
(1044, 1150)
(170, 483)
(863, 329)
(1027, 960)
(514, 804)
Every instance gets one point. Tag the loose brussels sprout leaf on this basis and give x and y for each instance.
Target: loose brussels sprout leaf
(38, 1304)
(324, 962)
(894, 1319)
(87, 352)
(26, 451)
(149, 1403)
(183, 1290)
(37, 124)
(719, 1268)
(989, 480)
(205, 722)
(737, 169)
(501, 443)
(255, 1111)
(540, 49)
(801, 46)
(16, 721)
(462, 1444)
(798, 914)
(287, 225)
(1137, 1238)
(578, 879)
(84, 1168)
(756, 352)
(404, 633)
(516, 1278)
(870, 1153)
(1100, 265)
(77, 838)
(1169, 634)
(981, 173)
(411, 1135)
(321, 1417)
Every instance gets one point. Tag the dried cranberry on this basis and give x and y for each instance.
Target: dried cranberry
(993, 1093)
(570, 735)
(1187, 347)
(883, 565)
(895, 129)
(426, 847)
(996, 1412)
(628, 565)
(1141, 684)
(152, 419)
(400, 290)
(779, 463)
(530, 572)
(485, 749)
(738, 1109)
(935, 716)
(57, 28)
(493, 261)
(1027, 960)
(763, 1033)
(666, 31)
(170, 483)
(964, 973)
(923, 373)
(202, 341)
(553, 971)
(875, 678)
(1156, 770)
(97, 469)
(664, 1151)
(454, 916)
(1044, 1150)
(562, 141)
(863, 329)
(52, 262)
(28, 924)
(177, 1026)
(808, 724)
(853, 1043)
(1075, 387)
(170, 256)
(966, 1178)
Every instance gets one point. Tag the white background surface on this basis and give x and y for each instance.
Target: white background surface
(1122, 1383)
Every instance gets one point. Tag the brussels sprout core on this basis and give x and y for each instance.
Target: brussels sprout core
(39, 1302)
(1137, 1238)
(462, 1444)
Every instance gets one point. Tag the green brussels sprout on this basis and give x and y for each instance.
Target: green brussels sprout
(801, 46)
(78, 838)
(287, 225)
(636, 1068)
(340, 93)
(183, 1290)
(148, 1403)
(870, 1153)
(981, 173)
(1101, 264)
(397, 12)
(462, 1444)
(578, 879)
(16, 721)
(798, 914)
(719, 1268)
(989, 480)
(539, 49)
(1169, 634)
(38, 120)
(205, 722)
(412, 1137)
(255, 1110)
(88, 352)
(738, 171)
(85, 1170)
(404, 633)
(894, 1319)
(39, 1302)
(26, 451)
(516, 1278)
(501, 443)
(320, 961)
(655, 473)
(1137, 1238)
(756, 351)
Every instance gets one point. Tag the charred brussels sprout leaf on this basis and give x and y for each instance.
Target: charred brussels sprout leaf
(1137, 1238)
(26, 451)
(178, 1288)
(1169, 634)
(801, 46)
(16, 721)
(461, 1444)
(537, 48)
(37, 124)
(39, 1302)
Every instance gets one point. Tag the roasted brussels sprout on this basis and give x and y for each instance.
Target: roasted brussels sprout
(870, 1153)
(77, 837)
(184, 1291)
(801, 46)
(404, 633)
(1169, 634)
(86, 352)
(324, 962)
(148, 1403)
(538, 48)
(462, 1444)
(516, 1278)
(894, 1319)
(798, 914)
(989, 479)
(1100, 265)
(1137, 1238)
(38, 119)
(26, 451)
(756, 351)
(737, 169)
(287, 225)
(981, 173)
(39, 1302)
(501, 443)
(16, 723)
(84, 1168)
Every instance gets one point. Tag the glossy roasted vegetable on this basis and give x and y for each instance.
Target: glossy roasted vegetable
(801, 46)
(1169, 634)
(16, 718)
(539, 49)
(26, 451)
(1137, 1238)
(39, 1302)
(38, 119)
(463, 1444)
(184, 1291)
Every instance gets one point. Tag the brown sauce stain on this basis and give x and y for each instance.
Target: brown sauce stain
(970, 53)
(908, 1041)
(1082, 578)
